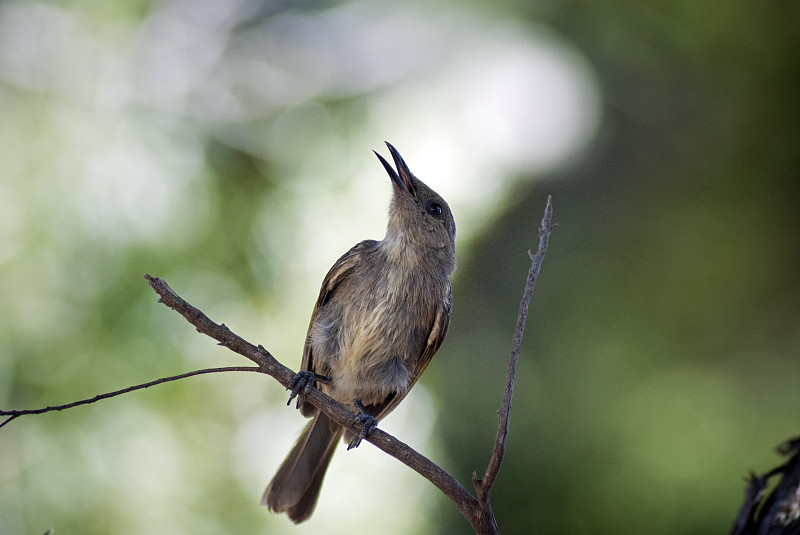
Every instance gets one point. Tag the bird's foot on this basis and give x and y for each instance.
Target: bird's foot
(302, 383)
(368, 424)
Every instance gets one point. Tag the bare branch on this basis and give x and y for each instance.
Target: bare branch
(483, 486)
(220, 332)
(776, 512)
(477, 511)
(466, 503)
(13, 414)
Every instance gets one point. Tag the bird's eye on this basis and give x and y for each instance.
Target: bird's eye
(435, 209)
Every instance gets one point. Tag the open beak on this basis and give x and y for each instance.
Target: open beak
(402, 176)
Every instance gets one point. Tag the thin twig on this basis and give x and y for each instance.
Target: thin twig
(484, 485)
(17, 413)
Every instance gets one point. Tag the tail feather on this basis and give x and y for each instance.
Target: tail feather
(295, 487)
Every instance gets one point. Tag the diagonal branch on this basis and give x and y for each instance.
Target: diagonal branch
(484, 486)
(478, 512)
(466, 503)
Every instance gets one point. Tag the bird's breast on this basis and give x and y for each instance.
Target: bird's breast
(372, 335)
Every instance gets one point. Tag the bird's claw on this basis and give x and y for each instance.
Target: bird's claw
(368, 424)
(302, 383)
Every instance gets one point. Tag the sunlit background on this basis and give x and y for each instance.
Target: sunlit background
(224, 145)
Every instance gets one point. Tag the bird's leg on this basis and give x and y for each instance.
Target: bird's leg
(302, 382)
(369, 424)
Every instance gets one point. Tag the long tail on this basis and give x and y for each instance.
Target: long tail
(295, 487)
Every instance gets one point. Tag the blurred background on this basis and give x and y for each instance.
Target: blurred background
(224, 145)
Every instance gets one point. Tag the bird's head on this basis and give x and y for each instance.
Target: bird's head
(419, 217)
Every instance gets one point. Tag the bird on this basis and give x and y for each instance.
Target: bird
(382, 313)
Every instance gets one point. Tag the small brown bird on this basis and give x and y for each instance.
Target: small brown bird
(382, 313)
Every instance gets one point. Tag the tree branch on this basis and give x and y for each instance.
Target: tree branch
(484, 486)
(477, 511)
(466, 503)
(13, 414)
(778, 512)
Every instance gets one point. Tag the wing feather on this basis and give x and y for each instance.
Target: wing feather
(436, 334)
(338, 272)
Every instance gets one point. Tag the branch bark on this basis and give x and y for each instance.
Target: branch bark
(779, 512)
(464, 501)
(477, 511)
(484, 485)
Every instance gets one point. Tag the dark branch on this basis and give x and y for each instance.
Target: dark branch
(466, 503)
(484, 486)
(779, 511)
(220, 332)
(477, 511)
(17, 413)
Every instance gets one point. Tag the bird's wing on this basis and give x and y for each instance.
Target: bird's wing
(436, 333)
(330, 283)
